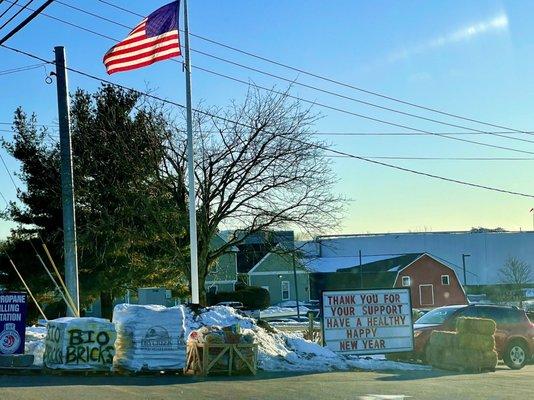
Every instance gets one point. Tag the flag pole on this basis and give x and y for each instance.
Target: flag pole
(190, 166)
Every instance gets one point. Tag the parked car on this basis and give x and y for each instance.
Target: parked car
(514, 336)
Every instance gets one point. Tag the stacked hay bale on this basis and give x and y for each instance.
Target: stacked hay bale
(470, 348)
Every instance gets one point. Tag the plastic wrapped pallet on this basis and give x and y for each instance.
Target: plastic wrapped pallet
(149, 337)
(80, 344)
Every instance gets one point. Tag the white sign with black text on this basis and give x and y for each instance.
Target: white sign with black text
(374, 321)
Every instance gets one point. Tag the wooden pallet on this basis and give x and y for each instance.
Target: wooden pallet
(207, 358)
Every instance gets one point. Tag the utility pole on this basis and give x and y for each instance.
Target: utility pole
(464, 256)
(67, 185)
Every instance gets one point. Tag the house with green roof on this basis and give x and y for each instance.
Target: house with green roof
(283, 275)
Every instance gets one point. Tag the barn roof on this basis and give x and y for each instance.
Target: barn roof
(392, 264)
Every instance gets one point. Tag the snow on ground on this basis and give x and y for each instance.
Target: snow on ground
(35, 337)
(277, 311)
(281, 351)
(278, 351)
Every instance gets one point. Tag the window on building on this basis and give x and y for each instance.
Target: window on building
(285, 290)
(445, 280)
(406, 281)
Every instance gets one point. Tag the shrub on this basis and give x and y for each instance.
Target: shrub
(252, 297)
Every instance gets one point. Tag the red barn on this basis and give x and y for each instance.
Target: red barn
(433, 283)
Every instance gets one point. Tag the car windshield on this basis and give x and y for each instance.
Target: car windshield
(437, 316)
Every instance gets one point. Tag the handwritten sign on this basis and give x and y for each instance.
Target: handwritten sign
(80, 343)
(13, 308)
(367, 321)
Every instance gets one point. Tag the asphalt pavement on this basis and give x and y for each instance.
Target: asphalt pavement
(501, 384)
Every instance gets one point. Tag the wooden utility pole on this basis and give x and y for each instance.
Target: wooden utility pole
(67, 185)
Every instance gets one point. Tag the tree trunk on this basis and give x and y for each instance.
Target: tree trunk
(106, 305)
(201, 290)
(203, 269)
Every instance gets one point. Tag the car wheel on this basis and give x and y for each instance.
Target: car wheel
(516, 355)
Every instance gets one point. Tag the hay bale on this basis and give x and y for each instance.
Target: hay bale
(443, 339)
(469, 341)
(480, 326)
(476, 360)
(442, 358)
(458, 360)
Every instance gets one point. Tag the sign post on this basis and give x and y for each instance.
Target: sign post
(376, 321)
(13, 310)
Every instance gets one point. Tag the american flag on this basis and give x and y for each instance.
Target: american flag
(155, 39)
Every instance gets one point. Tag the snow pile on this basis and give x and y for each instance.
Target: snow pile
(35, 343)
(277, 351)
(280, 351)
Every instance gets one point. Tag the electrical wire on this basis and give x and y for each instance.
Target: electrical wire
(294, 82)
(327, 79)
(21, 69)
(17, 13)
(316, 145)
(344, 111)
(55, 140)
(9, 8)
(314, 102)
(321, 104)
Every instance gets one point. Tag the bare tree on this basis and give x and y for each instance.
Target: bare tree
(258, 167)
(517, 274)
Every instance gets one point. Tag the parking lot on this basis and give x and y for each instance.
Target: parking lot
(502, 384)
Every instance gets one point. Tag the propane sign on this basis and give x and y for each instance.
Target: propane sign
(367, 321)
(12, 322)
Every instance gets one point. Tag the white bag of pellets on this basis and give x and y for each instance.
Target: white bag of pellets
(149, 337)
(79, 344)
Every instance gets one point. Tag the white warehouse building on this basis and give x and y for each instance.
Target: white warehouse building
(486, 252)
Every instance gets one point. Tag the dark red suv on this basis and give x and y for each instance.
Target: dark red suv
(514, 336)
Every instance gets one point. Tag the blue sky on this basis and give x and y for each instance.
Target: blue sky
(469, 58)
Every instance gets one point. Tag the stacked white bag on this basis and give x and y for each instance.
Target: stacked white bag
(149, 337)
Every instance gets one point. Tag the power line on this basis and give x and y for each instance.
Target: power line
(17, 13)
(342, 133)
(337, 109)
(55, 139)
(27, 20)
(415, 158)
(382, 121)
(294, 82)
(316, 145)
(9, 8)
(327, 79)
(21, 69)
